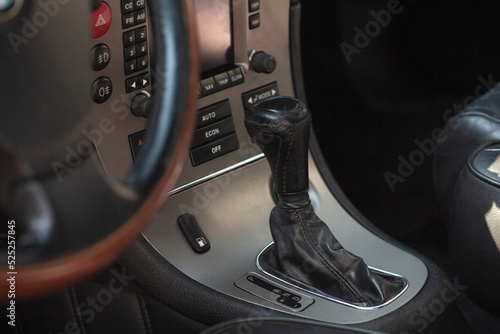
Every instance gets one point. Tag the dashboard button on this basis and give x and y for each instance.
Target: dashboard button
(131, 84)
(214, 150)
(213, 132)
(236, 76)
(193, 233)
(127, 6)
(129, 38)
(100, 20)
(253, 5)
(130, 52)
(139, 4)
(142, 49)
(252, 97)
(140, 16)
(130, 67)
(128, 20)
(100, 56)
(142, 63)
(141, 35)
(143, 80)
(222, 81)
(136, 142)
(213, 113)
(101, 90)
(208, 86)
(254, 21)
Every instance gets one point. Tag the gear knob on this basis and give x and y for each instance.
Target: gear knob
(280, 126)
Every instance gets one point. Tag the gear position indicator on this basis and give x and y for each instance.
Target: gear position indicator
(274, 293)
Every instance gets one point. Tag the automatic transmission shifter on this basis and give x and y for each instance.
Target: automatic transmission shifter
(305, 252)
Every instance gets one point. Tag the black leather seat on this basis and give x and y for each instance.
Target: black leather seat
(467, 181)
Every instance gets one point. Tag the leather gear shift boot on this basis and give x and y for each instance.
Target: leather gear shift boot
(305, 252)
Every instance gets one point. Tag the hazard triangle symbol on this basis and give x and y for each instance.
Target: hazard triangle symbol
(100, 21)
(140, 143)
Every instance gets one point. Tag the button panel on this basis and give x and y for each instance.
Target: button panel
(133, 12)
(135, 44)
(221, 81)
(215, 133)
(136, 83)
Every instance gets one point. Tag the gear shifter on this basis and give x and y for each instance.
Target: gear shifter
(305, 252)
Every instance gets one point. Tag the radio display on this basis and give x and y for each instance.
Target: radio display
(214, 33)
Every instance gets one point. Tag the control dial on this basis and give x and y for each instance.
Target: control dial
(141, 105)
(263, 62)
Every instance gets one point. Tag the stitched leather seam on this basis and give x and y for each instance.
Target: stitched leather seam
(286, 164)
(145, 315)
(276, 167)
(75, 311)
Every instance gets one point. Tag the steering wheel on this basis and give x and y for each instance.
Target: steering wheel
(55, 231)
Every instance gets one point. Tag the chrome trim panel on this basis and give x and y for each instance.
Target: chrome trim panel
(216, 174)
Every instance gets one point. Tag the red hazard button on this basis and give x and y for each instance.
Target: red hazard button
(100, 20)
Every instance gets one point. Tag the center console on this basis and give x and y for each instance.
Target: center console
(216, 220)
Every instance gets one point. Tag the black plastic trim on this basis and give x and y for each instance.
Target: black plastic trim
(183, 294)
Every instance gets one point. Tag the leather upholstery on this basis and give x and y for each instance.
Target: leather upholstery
(111, 302)
(467, 201)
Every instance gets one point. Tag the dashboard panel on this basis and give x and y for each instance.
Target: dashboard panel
(220, 142)
(225, 185)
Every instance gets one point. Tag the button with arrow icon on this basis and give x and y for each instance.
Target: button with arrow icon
(143, 80)
(136, 142)
(131, 84)
(259, 94)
